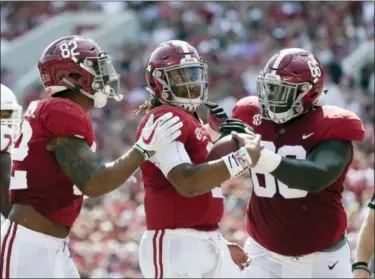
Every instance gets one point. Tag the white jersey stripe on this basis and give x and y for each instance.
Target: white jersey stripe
(185, 49)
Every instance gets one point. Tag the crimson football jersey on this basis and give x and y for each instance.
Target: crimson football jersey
(291, 221)
(37, 178)
(165, 207)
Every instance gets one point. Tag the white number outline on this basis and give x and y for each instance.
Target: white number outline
(69, 49)
(314, 68)
(271, 183)
(18, 180)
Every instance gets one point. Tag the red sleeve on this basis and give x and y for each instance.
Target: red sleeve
(246, 109)
(65, 118)
(341, 124)
(160, 111)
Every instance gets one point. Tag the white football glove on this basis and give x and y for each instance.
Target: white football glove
(158, 134)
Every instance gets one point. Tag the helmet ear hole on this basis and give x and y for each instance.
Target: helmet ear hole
(313, 95)
(75, 76)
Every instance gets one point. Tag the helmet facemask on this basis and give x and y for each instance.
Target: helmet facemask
(280, 101)
(10, 116)
(184, 85)
(106, 81)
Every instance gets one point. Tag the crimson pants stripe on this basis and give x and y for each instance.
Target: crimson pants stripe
(161, 253)
(157, 243)
(10, 248)
(6, 247)
(155, 252)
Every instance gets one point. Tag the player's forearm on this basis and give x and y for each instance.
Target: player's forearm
(365, 246)
(112, 175)
(321, 168)
(5, 165)
(193, 180)
(83, 166)
(303, 175)
(202, 178)
(6, 206)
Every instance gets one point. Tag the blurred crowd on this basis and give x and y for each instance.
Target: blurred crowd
(235, 39)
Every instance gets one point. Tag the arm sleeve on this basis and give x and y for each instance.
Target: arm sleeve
(65, 119)
(372, 202)
(170, 156)
(6, 139)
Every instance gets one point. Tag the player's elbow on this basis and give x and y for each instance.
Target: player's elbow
(90, 189)
(185, 181)
(185, 191)
(185, 188)
(315, 188)
(92, 194)
(324, 178)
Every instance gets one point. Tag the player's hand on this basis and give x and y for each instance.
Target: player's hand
(132, 179)
(215, 115)
(158, 134)
(361, 273)
(239, 257)
(252, 144)
(235, 125)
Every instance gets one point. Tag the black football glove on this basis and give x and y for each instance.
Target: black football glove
(236, 125)
(217, 111)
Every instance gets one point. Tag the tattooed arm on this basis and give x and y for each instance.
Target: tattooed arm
(5, 164)
(82, 166)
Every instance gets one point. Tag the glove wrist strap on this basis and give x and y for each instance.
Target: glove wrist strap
(237, 162)
(141, 151)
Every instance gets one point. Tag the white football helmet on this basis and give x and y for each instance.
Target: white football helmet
(9, 103)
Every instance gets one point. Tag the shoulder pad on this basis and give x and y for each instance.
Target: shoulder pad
(63, 117)
(341, 124)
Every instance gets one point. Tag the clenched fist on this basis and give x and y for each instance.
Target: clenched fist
(252, 144)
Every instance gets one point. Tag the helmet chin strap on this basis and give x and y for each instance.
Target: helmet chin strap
(99, 97)
(283, 117)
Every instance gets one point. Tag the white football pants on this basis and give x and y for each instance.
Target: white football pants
(266, 264)
(29, 254)
(185, 253)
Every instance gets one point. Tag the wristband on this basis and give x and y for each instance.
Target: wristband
(143, 152)
(363, 268)
(269, 160)
(360, 265)
(237, 162)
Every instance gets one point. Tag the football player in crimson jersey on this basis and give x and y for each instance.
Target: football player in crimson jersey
(10, 117)
(183, 199)
(54, 162)
(296, 220)
(365, 245)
